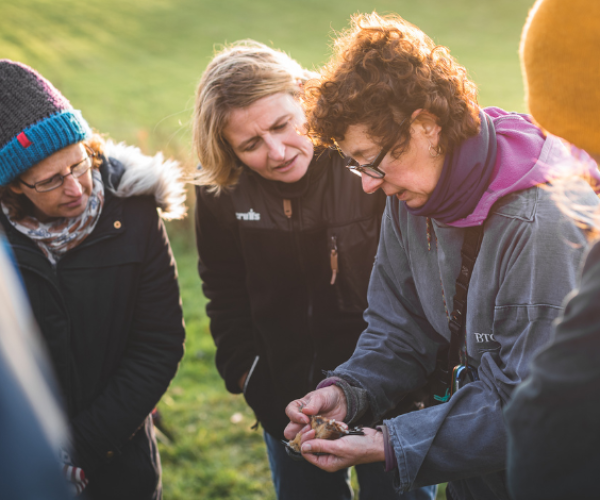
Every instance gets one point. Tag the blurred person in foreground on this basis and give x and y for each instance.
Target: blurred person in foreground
(286, 241)
(33, 430)
(457, 177)
(554, 436)
(81, 218)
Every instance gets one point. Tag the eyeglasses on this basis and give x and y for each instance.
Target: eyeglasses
(369, 169)
(58, 180)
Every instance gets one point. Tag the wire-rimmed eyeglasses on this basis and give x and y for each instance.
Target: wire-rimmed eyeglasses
(58, 180)
(370, 169)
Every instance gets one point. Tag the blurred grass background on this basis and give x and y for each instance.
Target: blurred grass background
(132, 67)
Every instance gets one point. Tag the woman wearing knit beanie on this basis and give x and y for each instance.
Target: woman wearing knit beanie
(100, 276)
(554, 436)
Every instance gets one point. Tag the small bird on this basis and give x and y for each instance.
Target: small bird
(324, 428)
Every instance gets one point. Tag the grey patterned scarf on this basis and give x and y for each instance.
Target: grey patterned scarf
(56, 237)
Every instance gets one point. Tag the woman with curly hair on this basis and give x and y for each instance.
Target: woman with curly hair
(286, 240)
(474, 260)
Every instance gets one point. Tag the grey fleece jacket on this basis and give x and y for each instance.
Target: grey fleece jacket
(528, 262)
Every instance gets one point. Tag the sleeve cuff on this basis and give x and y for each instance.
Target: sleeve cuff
(391, 464)
(356, 398)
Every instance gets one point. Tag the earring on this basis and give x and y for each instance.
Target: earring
(433, 151)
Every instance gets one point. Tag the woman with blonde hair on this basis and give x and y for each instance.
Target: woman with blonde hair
(286, 240)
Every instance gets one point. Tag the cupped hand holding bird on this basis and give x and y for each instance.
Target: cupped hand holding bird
(331, 455)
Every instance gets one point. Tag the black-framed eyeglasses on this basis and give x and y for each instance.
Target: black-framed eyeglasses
(370, 169)
(58, 180)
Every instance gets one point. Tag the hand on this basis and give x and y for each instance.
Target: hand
(75, 476)
(343, 452)
(329, 402)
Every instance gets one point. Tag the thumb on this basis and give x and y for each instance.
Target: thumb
(316, 446)
(312, 405)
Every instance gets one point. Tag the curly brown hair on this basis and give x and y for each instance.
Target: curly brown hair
(382, 70)
(21, 206)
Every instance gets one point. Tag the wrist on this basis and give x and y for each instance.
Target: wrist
(372, 449)
(354, 398)
(338, 401)
(378, 454)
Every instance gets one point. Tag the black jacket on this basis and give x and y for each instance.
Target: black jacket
(111, 317)
(273, 309)
(553, 416)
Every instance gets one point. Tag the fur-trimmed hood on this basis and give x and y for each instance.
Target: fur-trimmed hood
(149, 175)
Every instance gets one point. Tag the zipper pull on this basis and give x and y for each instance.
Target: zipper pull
(287, 208)
(333, 260)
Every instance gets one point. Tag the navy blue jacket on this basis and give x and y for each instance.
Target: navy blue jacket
(553, 418)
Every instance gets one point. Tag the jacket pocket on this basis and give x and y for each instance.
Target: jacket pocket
(134, 474)
(258, 389)
(352, 250)
(261, 397)
(250, 373)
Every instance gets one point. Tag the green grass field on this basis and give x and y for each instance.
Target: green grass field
(132, 66)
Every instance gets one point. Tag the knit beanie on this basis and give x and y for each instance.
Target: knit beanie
(560, 58)
(35, 120)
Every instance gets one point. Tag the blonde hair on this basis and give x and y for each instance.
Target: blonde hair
(238, 75)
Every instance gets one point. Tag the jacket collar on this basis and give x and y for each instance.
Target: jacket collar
(131, 173)
(322, 160)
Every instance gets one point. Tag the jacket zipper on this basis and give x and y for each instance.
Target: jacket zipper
(311, 379)
(54, 267)
(69, 382)
(333, 259)
(287, 208)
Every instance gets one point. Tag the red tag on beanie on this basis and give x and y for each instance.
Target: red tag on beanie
(23, 140)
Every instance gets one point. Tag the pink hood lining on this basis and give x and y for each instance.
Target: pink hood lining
(526, 158)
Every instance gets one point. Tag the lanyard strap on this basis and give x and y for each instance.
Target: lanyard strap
(449, 357)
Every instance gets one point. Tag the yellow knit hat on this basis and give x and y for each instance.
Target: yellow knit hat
(560, 59)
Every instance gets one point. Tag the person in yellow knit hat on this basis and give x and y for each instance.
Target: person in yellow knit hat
(553, 417)
(560, 59)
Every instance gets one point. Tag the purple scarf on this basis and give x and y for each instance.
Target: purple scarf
(465, 176)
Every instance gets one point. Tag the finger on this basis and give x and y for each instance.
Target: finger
(328, 401)
(317, 460)
(322, 461)
(294, 412)
(308, 435)
(319, 446)
(292, 429)
(327, 462)
(314, 403)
